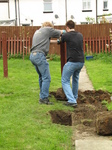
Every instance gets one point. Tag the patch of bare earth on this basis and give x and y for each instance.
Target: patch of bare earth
(82, 118)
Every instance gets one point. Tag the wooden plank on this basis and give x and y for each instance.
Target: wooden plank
(105, 45)
(26, 47)
(90, 45)
(29, 45)
(17, 45)
(84, 44)
(108, 44)
(93, 45)
(9, 47)
(20, 45)
(87, 45)
(99, 45)
(4, 51)
(23, 50)
(102, 44)
(12, 46)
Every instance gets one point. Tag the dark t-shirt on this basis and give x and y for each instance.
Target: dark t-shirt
(74, 42)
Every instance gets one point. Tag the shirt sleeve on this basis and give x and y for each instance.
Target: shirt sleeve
(63, 38)
(54, 33)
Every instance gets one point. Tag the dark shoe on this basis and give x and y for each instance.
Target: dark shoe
(45, 101)
(70, 104)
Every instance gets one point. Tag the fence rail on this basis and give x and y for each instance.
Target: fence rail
(19, 39)
(97, 45)
(16, 45)
(19, 45)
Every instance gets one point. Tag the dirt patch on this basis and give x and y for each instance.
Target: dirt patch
(83, 117)
(61, 117)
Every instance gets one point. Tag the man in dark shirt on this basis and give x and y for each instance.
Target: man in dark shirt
(75, 62)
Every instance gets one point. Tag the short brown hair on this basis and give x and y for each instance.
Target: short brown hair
(70, 24)
(47, 24)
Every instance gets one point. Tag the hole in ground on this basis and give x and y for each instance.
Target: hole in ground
(61, 117)
(89, 103)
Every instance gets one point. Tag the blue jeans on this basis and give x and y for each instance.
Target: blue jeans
(42, 68)
(71, 69)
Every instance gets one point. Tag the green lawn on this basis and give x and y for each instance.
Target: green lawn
(27, 125)
(99, 70)
(24, 123)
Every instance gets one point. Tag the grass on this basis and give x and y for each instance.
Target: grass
(27, 125)
(99, 70)
(24, 123)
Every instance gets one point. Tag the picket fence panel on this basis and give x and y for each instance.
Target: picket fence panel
(19, 45)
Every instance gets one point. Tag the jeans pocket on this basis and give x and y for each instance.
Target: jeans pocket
(39, 58)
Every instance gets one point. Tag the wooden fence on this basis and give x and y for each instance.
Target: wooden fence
(16, 45)
(95, 39)
(89, 30)
(97, 45)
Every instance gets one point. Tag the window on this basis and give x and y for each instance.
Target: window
(84, 22)
(86, 5)
(105, 5)
(4, 1)
(47, 6)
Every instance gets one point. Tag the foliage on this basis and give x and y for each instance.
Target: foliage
(103, 18)
(53, 57)
(16, 56)
(88, 50)
(1, 56)
(89, 19)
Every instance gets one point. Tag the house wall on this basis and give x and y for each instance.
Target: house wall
(101, 12)
(33, 10)
(3, 11)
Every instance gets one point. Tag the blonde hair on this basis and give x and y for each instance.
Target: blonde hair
(47, 24)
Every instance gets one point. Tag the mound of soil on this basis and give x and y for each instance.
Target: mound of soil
(89, 103)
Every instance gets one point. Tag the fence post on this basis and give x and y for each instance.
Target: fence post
(4, 52)
(63, 55)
